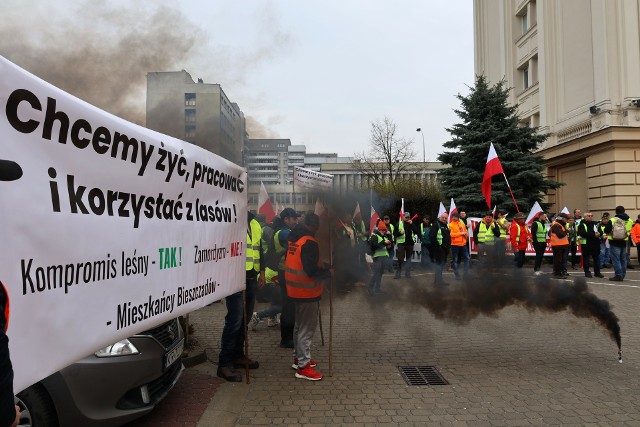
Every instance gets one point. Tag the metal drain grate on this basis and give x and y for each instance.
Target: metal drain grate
(422, 375)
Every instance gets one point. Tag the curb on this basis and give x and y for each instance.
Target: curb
(195, 359)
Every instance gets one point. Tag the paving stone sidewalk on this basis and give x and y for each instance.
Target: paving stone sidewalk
(517, 368)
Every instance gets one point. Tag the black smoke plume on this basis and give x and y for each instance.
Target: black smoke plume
(489, 289)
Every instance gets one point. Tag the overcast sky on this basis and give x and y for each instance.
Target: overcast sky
(317, 73)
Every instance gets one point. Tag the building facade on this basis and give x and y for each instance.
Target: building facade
(573, 66)
(271, 162)
(200, 113)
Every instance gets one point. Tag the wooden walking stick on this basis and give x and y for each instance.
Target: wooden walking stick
(320, 322)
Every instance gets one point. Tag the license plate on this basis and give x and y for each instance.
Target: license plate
(174, 354)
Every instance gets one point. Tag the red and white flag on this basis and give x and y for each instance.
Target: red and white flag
(357, 215)
(374, 219)
(402, 209)
(452, 209)
(441, 210)
(264, 205)
(493, 167)
(495, 209)
(535, 211)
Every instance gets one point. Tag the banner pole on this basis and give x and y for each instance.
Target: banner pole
(330, 295)
(246, 335)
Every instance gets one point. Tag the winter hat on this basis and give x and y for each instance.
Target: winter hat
(382, 226)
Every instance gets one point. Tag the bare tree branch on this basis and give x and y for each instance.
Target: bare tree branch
(388, 156)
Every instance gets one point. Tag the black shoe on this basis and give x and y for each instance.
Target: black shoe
(599, 275)
(240, 364)
(630, 267)
(286, 344)
(587, 275)
(605, 266)
(229, 374)
(615, 279)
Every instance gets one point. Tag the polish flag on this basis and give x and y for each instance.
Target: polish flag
(402, 209)
(441, 210)
(535, 211)
(374, 219)
(264, 205)
(495, 209)
(493, 167)
(452, 209)
(357, 215)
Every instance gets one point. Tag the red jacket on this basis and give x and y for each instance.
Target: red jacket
(519, 240)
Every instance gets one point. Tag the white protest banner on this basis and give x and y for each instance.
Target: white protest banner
(311, 179)
(110, 230)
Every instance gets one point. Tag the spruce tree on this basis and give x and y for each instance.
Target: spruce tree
(486, 118)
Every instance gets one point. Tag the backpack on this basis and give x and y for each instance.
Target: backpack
(619, 229)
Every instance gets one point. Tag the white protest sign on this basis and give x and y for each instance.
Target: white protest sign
(311, 179)
(112, 228)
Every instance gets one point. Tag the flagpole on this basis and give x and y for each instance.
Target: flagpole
(511, 192)
(294, 188)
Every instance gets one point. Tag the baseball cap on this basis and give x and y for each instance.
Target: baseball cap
(289, 213)
(407, 215)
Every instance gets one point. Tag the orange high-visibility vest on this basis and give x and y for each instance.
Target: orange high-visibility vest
(299, 284)
(558, 241)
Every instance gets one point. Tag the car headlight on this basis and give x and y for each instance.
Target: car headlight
(121, 348)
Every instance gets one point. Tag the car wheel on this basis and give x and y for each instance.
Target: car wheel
(36, 408)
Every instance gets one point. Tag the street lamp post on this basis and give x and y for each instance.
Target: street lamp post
(424, 156)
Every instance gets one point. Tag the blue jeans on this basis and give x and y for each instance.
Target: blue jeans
(619, 260)
(463, 253)
(376, 277)
(604, 254)
(232, 341)
(274, 295)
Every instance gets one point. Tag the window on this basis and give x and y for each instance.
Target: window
(525, 22)
(190, 99)
(190, 115)
(189, 132)
(525, 78)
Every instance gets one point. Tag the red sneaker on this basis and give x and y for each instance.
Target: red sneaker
(312, 363)
(308, 373)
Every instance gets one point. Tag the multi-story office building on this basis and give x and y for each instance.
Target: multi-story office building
(200, 113)
(271, 161)
(573, 66)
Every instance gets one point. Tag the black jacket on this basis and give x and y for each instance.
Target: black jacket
(586, 231)
(7, 408)
(446, 235)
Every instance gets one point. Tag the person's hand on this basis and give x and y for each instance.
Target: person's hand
(17, 420)
(262, 280)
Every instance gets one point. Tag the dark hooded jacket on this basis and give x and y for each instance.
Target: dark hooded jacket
(608, 229)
